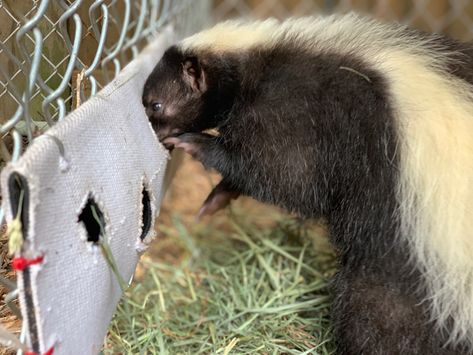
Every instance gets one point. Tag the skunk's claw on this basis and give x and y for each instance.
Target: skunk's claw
(218, 199)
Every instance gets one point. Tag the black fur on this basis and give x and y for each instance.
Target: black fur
(315, 134)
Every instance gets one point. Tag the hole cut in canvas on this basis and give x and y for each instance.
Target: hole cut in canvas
(146, 214)
(19, 195)
(93, 220)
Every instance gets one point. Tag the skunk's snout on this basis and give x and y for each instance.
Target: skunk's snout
(165, 131)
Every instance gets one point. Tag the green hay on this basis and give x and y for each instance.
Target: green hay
(240, 291)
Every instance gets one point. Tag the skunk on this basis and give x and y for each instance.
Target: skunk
(367, 124)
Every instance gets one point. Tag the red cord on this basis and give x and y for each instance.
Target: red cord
(20, 263)
(49, 352)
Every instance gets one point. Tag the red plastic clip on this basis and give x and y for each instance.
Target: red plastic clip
(49, 352)
(20, 263)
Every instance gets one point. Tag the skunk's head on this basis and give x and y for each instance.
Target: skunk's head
(173, 94)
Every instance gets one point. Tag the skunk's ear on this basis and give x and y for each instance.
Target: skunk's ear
(194, 75)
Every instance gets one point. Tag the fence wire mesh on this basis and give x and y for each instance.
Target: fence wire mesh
(56, 54)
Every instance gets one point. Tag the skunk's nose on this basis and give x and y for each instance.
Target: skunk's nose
(163, 132)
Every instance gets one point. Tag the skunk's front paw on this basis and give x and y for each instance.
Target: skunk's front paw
(198, 145)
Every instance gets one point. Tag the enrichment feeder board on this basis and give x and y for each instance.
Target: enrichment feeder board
(95, 178)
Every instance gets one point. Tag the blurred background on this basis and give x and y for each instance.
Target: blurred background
(54, 55)
(447, 16)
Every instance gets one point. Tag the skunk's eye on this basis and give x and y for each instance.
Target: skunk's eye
(156, 106)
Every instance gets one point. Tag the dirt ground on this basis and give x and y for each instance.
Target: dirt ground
(189, 188)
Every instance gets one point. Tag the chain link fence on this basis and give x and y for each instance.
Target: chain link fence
(56, 54)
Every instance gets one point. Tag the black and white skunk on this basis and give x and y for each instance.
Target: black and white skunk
(367, 124)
